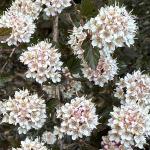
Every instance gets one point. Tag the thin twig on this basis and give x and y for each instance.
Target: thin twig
(55, 29)
(55, 39)
(13, 50)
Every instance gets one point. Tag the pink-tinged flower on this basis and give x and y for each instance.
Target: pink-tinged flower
(76, 39)
(113, 27)
(27, 7)
(130, 125)
(43, 62)
(48, 137)
(111, 145)
(78, 118)
(54, 7)
(25, 110)
(29, 144)
(22, 27)
(104, 72)
(134, 88)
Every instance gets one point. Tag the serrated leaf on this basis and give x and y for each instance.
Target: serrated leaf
(91, 55)
(88, 8)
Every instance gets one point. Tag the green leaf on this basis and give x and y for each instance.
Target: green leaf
(91, 55)
(73, 64)
(5, 31)
(88, 8)
(4, 79)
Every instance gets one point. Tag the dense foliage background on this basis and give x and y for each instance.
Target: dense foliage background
(129, 59)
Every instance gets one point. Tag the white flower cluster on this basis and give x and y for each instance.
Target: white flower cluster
(43, 62)
(48, 137)
(104, 72)
(130, 125)
(111, 145)
(22, 27)
(29, 144)
(78, 118)
(134, 88)
(76, 39)
(20, 19)
(54, 7)
(113, 27)
(27, 111)
(27, 7)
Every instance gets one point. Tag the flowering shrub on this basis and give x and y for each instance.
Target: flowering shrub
(88, 62)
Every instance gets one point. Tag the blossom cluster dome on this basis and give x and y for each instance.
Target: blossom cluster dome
(111, 145)
(22, 27)
(76, 40)
(27, 7)
(134, 88)
(29, 144)
(25, 110)
(48, 137)
(104, 72)
(78, 118)
(113, 27)
(43, 61)
(130, 125)
(54, 7)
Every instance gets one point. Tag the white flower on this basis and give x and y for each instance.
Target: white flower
(134, 88)
(29, 144)
(43, 62)
(130, 125)
(113, 27)
(104, 72)
(27, 7)
(48, 137)
(22, 27)
(111, 145)
(25, 110)
(76, 39)
(2, 108)
(54, 7)
(78, 118)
